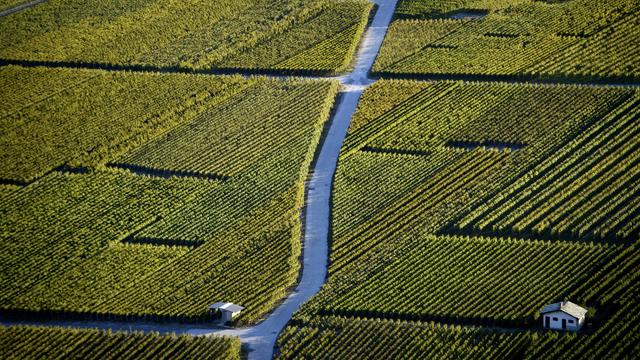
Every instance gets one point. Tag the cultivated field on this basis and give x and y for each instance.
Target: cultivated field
(555, 40)
(8, 4)
(294, 35)
(155, 208)
(455, 204)
(54, 343)
(367, 179)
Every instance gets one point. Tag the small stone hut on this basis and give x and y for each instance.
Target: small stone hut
(227, 310)
(563, 315)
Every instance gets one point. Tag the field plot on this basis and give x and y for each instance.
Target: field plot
(443, 265)
(338, 337)
(587, 190)
(22, 342)
(577, 40)
(428, 175)
(372, 337)
(317, 36)
(527, 132)
(53, 118)
(142, 209)
(9, 4)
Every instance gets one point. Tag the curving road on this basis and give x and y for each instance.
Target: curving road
(261, 338)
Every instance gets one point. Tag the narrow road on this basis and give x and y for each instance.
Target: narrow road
(261, 338)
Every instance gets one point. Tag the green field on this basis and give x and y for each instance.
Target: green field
(84, 118)
(9, 4)
(160, 156)
(509, 284)
(292, 35)
(22, 342)
(455, 203)
(368, 336)
(124, 213)
(531, 146)
(576, 40)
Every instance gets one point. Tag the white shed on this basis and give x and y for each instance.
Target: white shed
(563, 315)
(227, 310)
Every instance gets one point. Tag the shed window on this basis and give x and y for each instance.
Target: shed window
(570, 321)
(555, 319)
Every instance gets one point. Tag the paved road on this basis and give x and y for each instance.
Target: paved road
(261, 338)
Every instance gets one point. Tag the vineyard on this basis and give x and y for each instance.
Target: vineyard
(9, 4)
(23, 342)
(614, 285)
(317, 36)
(227, 139)
(117, 221)
(85, 118)
(365, 179)
(578, 40)
(413, 147)
(509, 277)
(587, 190)
(337, 337)
(454, 205)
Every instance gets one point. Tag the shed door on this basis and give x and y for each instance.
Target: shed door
(547, 322)
(564, 323)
